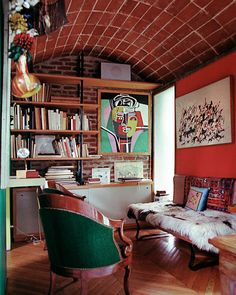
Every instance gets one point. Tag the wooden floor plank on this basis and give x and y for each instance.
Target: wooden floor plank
(160, 266)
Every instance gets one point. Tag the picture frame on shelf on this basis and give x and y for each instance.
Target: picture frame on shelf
(102, 173)
(204, 116)
(44, 145)
(125, 122)
(128, 170)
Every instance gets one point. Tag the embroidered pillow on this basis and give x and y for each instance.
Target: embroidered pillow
(220, 190)
(197, 198)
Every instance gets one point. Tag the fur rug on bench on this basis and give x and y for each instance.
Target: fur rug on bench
(197, 226)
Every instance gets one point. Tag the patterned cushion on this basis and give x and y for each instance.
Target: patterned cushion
(193, 200)
(221, 190)
(197, 198)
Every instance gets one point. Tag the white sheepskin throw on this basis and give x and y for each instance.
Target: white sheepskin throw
(198, 226)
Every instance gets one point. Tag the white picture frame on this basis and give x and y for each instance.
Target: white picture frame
(131, 169)
(203, 117)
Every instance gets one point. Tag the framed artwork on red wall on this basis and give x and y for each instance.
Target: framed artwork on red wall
(125, 122)
(204, 116)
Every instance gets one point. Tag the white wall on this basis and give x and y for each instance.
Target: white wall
(164, 140)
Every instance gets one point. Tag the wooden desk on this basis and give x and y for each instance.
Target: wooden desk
(227, 266)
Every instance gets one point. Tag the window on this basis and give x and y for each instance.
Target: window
(164, 140)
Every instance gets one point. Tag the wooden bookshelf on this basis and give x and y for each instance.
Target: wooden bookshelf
(36, 116)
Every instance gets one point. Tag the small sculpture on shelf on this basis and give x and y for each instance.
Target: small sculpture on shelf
(23, 153)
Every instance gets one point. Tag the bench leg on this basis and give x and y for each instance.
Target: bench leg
(205, 263)
(148, 236)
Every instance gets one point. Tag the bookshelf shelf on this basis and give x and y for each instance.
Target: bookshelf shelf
(66, 132)
(96, 82)
(57, 104)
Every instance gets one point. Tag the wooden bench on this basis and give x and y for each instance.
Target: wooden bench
(194, 227)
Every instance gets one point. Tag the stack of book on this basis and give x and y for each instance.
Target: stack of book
(161, 196)
(129, 179)
(93, 180)
(161, 193)
(60, 173)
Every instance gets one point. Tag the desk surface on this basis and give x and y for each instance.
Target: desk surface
(26, 182)
(112, 184)
(225, 243)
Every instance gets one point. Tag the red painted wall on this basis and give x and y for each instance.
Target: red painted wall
(218, 160)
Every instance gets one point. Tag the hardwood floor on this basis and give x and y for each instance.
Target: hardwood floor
(160, 266)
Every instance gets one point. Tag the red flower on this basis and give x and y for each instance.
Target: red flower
(23, 40)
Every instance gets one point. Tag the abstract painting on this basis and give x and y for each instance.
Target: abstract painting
(125, 122)
(203, 117)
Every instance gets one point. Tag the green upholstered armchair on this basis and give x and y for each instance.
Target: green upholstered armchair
(81, 241)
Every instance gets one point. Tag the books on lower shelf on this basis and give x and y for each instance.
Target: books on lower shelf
(60, 172)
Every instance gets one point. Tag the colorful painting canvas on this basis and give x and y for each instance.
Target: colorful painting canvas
(125, 122)
(203, 117)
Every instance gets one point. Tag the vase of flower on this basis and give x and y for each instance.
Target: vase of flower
(24, 84)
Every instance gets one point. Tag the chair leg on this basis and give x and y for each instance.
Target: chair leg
(83, 287)
(52, 283)
(126, 279)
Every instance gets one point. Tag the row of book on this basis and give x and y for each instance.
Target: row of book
(67, 147)
(46, 119)
(48, 146)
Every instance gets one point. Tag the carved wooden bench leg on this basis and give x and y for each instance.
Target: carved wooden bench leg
(193, 265)
(148, 236)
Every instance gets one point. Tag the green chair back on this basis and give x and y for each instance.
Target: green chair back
(76, 241)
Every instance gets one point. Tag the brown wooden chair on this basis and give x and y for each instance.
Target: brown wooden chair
(81, 241)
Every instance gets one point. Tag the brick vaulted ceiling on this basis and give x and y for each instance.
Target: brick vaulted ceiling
(162, 40)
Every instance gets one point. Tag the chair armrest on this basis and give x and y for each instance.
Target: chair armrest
(118, 224)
